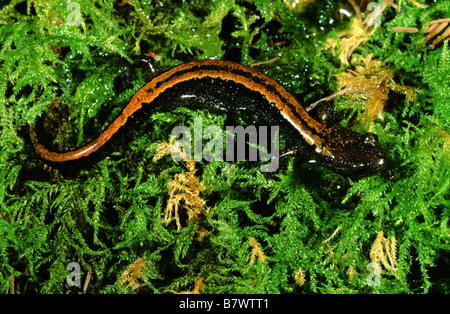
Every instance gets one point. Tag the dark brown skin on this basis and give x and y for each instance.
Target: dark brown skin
(228, 86)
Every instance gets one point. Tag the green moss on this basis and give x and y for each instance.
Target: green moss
(312, 230)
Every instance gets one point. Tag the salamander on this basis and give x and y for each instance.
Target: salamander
(228, 86)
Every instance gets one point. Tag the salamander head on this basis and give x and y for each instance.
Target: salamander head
(351, 153)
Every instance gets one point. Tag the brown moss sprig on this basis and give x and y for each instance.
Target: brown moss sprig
(133, 273)
(256, 252)
(370, 80)
(184, 189)
(384, 250)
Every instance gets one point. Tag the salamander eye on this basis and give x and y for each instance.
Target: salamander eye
(371, 138)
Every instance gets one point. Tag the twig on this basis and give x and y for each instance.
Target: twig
(404, 29)
(264, 62)
(357, 10)
(435, 27)
(348, 90)
(12, 284)
(88, 278)
(439, 21)
(392, 4)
